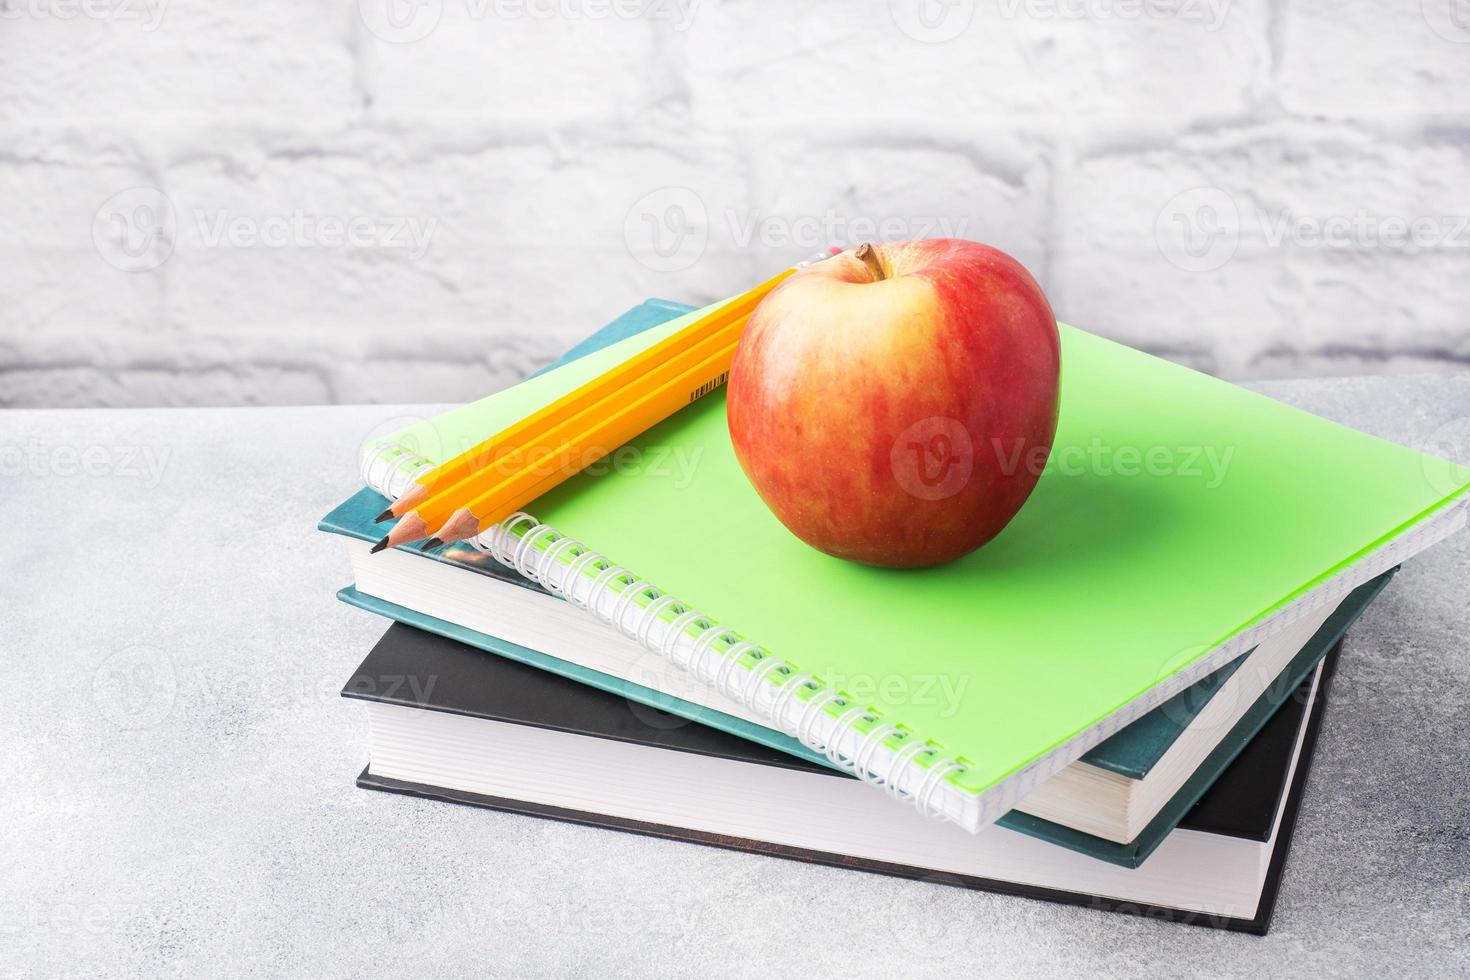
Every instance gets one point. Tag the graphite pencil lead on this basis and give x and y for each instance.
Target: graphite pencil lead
(432, 543)
(379, 546)
(385, 515)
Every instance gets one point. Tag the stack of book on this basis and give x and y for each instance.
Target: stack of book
(1114, 703)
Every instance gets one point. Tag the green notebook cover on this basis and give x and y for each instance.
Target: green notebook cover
(1178, 514)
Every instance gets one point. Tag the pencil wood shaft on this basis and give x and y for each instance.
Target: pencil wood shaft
(580, 452)
(437, 508)
(608, 384)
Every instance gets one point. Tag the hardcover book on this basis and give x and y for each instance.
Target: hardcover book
(450, 723)
(1219, 715)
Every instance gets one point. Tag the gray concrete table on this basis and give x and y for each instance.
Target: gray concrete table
(176, 768)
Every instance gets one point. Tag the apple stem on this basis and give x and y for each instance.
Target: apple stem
(869, 256)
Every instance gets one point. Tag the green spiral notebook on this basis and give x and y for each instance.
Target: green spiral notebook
(1181, 521)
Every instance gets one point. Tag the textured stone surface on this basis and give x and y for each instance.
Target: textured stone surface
(177, 767)
(520, 171)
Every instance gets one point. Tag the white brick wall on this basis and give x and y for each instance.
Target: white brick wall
(401, 200)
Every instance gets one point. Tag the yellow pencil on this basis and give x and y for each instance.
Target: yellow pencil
(657, 373)
(610, 383)
(646, 410)
(513, 458)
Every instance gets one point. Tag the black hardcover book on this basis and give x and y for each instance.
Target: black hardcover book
(452, 723)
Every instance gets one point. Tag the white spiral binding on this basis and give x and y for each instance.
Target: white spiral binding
(834, 756)
(553, 561)
(681, 622)
(725, 674)
(704, 646)
(756, 677)
(862, 758)
(785, 694)
(726, 670)
(655, 610)
(905, 755)
(811, 714)
(933, 779)
(399, 465)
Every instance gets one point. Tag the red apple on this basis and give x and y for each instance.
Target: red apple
(894, 404)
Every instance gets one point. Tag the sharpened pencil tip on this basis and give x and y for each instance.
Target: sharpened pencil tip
(379, 546)
(385, 515)
(432, 543)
